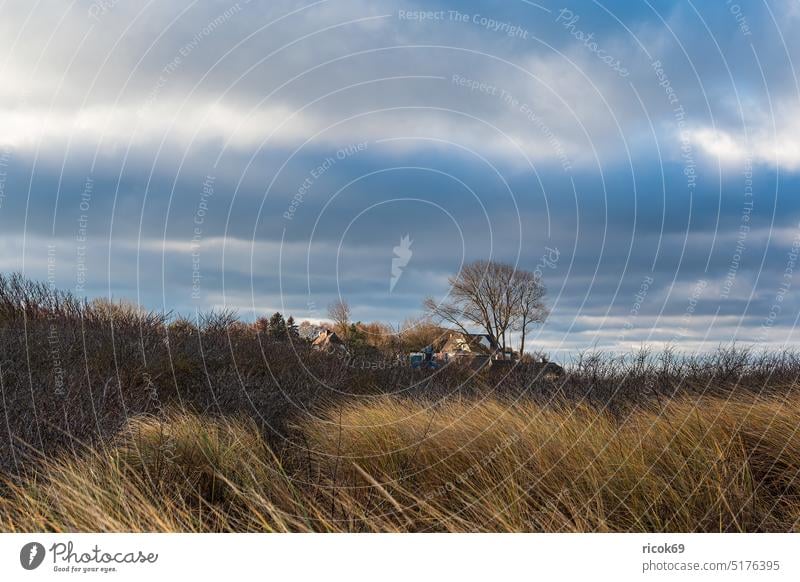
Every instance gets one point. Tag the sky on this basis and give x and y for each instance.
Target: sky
(266, 155)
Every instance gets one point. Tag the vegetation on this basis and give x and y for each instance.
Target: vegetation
(118, 419)
(339, 313)
(397, 465)
(496, 297)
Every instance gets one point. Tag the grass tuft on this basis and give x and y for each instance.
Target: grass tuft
(401, 465)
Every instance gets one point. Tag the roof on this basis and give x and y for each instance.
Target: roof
(327, 339)
(472, 343)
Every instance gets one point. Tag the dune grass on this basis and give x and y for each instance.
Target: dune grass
(399, 465)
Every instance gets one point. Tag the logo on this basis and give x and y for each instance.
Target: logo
(31, 555)
(402, 255)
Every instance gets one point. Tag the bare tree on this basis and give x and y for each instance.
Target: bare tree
(417, 333)
(531, 308)
(339, 312)
(494, 297)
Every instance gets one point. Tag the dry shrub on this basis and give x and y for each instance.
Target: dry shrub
(702, 465)
(400, 465)
(74, 372)
(183, 473)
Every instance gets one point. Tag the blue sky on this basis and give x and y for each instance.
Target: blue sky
(269, 155)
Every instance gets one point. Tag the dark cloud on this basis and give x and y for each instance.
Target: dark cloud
(281, 153)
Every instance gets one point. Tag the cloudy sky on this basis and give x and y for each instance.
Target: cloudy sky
(270, 155)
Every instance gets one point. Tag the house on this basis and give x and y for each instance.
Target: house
(474, 350)
(473, 344)
(328, 341)
(476, 344)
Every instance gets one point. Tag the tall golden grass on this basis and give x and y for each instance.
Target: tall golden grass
(400, 465)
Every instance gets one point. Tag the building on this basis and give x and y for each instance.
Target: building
(328, 341)
(472, 344)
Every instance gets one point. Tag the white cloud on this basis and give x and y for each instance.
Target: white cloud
(772, 138)
(782, 149)
(26, 128)
(83, 80)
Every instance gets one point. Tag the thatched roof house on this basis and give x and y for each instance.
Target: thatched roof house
(328, 341)
(473, 344)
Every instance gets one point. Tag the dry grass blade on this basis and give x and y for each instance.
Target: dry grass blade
(396, 465)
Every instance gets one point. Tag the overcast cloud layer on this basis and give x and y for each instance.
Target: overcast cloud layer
(269, 155)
